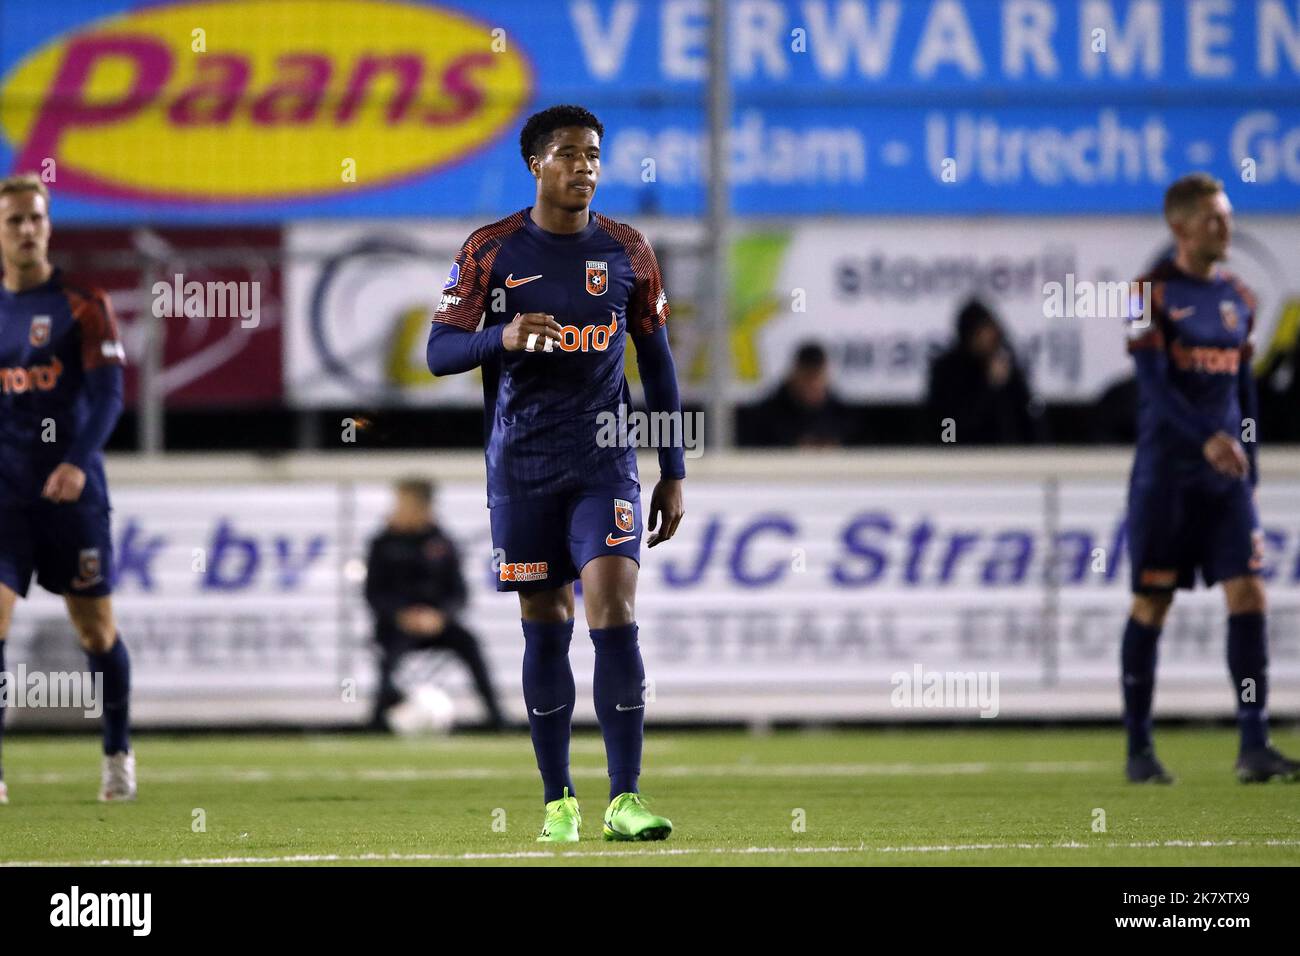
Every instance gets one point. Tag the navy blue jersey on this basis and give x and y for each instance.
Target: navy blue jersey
(50, 337)
(544, 411)
(1205, 329)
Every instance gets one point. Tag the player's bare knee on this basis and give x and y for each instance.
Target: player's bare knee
(1245, 595)
(7, 600)
(614, 611)
(96, 638)
(93, 621)
(1150, 610)
(610, 617)
(552, 607)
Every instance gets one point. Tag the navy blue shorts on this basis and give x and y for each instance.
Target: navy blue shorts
(68, 546)
(1178, 528)
(543, 543)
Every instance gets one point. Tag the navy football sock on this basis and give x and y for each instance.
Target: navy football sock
(549, 695)
(620, 703)
(2, 709)
(116, 668)
(1138, 663)
(1248, 661)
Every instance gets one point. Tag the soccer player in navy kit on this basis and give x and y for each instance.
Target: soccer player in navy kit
(559, 290)
(1191, 494)
(60, 396)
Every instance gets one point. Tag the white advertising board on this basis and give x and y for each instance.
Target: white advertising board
(778, 600)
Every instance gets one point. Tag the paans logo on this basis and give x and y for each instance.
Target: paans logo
(228, 102)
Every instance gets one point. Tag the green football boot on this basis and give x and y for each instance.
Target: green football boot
(628, 819)
(562, 820)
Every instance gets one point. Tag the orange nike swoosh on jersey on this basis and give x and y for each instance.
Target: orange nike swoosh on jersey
(511, 281)
(611, 540)
(1179, 314)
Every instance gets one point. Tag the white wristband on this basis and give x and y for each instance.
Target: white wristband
(531, 344)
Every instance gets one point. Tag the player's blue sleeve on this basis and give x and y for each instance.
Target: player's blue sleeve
(452, 350)
(1249, 394)
(659, 377)
(1171, 405)
(104, 389)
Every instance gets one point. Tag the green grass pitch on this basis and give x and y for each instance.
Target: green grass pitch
(910, 796)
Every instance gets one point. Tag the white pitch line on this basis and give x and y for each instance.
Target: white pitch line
(399, 774)
(672, 851)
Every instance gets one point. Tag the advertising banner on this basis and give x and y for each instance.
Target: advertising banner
(880, 294)
(216, 296)
(776, 600)
(308, 108)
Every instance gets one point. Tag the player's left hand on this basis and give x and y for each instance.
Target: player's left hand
(666, 510)
(64, 484)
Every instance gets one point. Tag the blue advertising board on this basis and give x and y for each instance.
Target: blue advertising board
(221, 110)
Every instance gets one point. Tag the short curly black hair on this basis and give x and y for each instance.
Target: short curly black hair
(537, 131)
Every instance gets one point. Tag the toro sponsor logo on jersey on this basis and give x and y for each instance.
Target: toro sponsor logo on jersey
(588, 338)
(217, 102)
(1205, 358)
(42, 378)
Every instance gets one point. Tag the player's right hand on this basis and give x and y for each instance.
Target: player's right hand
(1225, 455)
(529, 332)
(65, 484)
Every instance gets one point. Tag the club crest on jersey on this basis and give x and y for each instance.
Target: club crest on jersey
(623, 517)
(597, 277)
(40, 331)
(89, 570)
(1228, 312)
(452, 277)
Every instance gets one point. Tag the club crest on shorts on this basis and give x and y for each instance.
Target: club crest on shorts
(597, 277)
(40, 331)
(1228, 311)
(623, 516)
(89, 569)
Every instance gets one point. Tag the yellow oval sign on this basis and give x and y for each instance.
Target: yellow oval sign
(248, 102)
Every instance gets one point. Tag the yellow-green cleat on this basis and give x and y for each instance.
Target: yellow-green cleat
(628, 819)
(562, 820)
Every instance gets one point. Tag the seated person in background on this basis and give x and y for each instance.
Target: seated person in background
(979, 385)
(415, 587)
(802, 412)
(1114, 416)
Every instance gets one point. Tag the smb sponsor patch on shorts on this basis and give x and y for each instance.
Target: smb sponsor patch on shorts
(523, 571)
